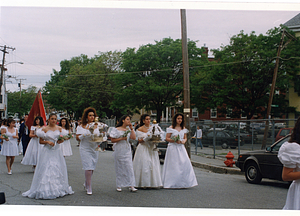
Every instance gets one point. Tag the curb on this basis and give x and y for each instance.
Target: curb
(217, 169)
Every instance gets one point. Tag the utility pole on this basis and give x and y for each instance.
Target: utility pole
(2, 70)
(280, 48)
(20, 85)
(186, 80)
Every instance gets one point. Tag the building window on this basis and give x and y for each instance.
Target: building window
(194, 113)
(243, 115)
(228, 113)
(213, 113)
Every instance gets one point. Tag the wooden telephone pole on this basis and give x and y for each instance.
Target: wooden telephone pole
(186, 79)
(280, 48)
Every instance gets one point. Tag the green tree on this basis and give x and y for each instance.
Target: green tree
(152, 76)
(21, 104)
(83, 82)
(241, 76)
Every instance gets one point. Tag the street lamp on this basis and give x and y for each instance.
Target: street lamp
(1, 83)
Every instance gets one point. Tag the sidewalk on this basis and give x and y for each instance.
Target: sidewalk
(205, 160)
(216, 165)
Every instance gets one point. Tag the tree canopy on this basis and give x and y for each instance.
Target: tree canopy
(151, 76)
(240, 77)
(84, 82)
(21, 104)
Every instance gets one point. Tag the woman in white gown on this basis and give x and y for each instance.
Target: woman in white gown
(146, 165)
(87, 148)
(289, 156)
(33, 148)
(50, 179)
(10, 143)
(66, 130)
(120, 135)
(177, 170)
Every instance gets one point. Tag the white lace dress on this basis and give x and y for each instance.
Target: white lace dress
(178, 171)
(50, 179)
(146, 165)
(289, 156)
(88, 154)
(123, 160)
(66, 145)
(33, 149)
(10, 147)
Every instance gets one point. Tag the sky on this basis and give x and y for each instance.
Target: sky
(45, 34)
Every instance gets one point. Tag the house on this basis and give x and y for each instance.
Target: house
(293, 96)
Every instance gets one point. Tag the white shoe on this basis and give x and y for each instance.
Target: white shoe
(119, 189)
(132, 189)
(9, 173)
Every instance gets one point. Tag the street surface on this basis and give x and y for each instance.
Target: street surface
(213, 191)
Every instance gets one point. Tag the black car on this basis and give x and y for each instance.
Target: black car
(223, 138)
(246, 135)
(262, 163)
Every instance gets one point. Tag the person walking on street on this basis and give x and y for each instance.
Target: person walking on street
(9, 135)
(198, 136)
(87, 148)
(177, 170)
(24, 134)
(289, 156)
(120, 136)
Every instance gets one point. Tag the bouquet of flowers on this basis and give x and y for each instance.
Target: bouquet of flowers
(4, 136)
(126, 133)
(61, 137)
(175, 138)
(70, 135)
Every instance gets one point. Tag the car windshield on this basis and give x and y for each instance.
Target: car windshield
(277, 146)
(284, 132)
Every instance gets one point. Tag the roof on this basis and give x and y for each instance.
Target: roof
(294, 23)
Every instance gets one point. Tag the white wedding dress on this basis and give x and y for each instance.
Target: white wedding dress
(123, 160)
(50, 179)
(10, 147)
(146, 165)
(89, 156)
(178, 171)
(66, 145)
(289, 156)
(33, 149)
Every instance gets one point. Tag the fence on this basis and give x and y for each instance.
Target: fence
(220, 137)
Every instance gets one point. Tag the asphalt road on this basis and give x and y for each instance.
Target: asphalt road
(222, 191)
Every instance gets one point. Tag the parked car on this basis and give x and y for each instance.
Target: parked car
(246, 135)
(223, 138)
(279, 125)
(283, 132)
(262, 163)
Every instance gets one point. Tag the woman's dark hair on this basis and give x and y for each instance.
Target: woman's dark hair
(52, 114)
(84, 117)
(67, 123)
(41, 121)
(120, 122)
(4, 121)
(295, 136)
(143, 117)
(174, 123)
(9, 121)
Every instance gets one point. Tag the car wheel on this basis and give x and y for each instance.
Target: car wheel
(224, 146)
(252, 173)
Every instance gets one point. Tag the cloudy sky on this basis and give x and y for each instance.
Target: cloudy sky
(45, 34)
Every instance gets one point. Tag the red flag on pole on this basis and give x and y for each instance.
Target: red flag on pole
(37, 109)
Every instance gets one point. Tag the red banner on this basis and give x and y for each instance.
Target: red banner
(37, 109)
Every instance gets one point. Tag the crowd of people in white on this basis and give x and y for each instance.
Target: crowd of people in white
(48, 145)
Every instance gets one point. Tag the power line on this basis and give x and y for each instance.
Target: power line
(191, 67)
